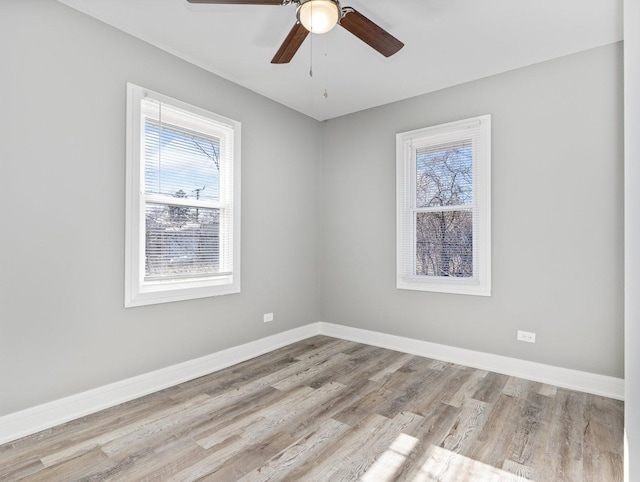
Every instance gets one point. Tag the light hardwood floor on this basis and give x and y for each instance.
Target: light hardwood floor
(327, 410)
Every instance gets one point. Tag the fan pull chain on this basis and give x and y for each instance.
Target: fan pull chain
(326, 66)
(311, 44)
(323, 105)
(311, 55)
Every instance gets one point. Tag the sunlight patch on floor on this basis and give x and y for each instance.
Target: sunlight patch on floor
(449, 466)
(440, 465)
(386, 466)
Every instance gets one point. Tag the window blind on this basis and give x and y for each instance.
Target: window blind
(187, 193)
(443, 208)
(443, 227)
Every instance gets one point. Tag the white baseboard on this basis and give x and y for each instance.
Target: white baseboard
(562, 377)
(26, 422)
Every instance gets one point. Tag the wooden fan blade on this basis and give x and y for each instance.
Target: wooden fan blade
(238, 2)
(290, 45)
(370, 33)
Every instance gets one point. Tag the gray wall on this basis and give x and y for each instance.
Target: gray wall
(632, 238)
(318, 213)
(63, 327)
(557, 174)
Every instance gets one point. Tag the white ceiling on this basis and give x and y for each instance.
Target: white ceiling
(447, 42)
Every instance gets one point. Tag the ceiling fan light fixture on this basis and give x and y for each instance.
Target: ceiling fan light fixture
(319, 16)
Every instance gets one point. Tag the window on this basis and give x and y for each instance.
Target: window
(183, 201)
(444, 208)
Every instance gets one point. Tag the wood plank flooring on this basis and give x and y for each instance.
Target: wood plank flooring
(332, 410)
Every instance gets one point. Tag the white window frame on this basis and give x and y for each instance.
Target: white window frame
(478, 130)
(139, 292)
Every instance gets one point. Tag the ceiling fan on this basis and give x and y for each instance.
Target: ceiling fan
(320, 16)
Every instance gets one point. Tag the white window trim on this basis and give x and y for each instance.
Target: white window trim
(479, 128)
(137, 291)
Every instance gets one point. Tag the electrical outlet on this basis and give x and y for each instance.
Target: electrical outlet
(268, 317)
(526, 336)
